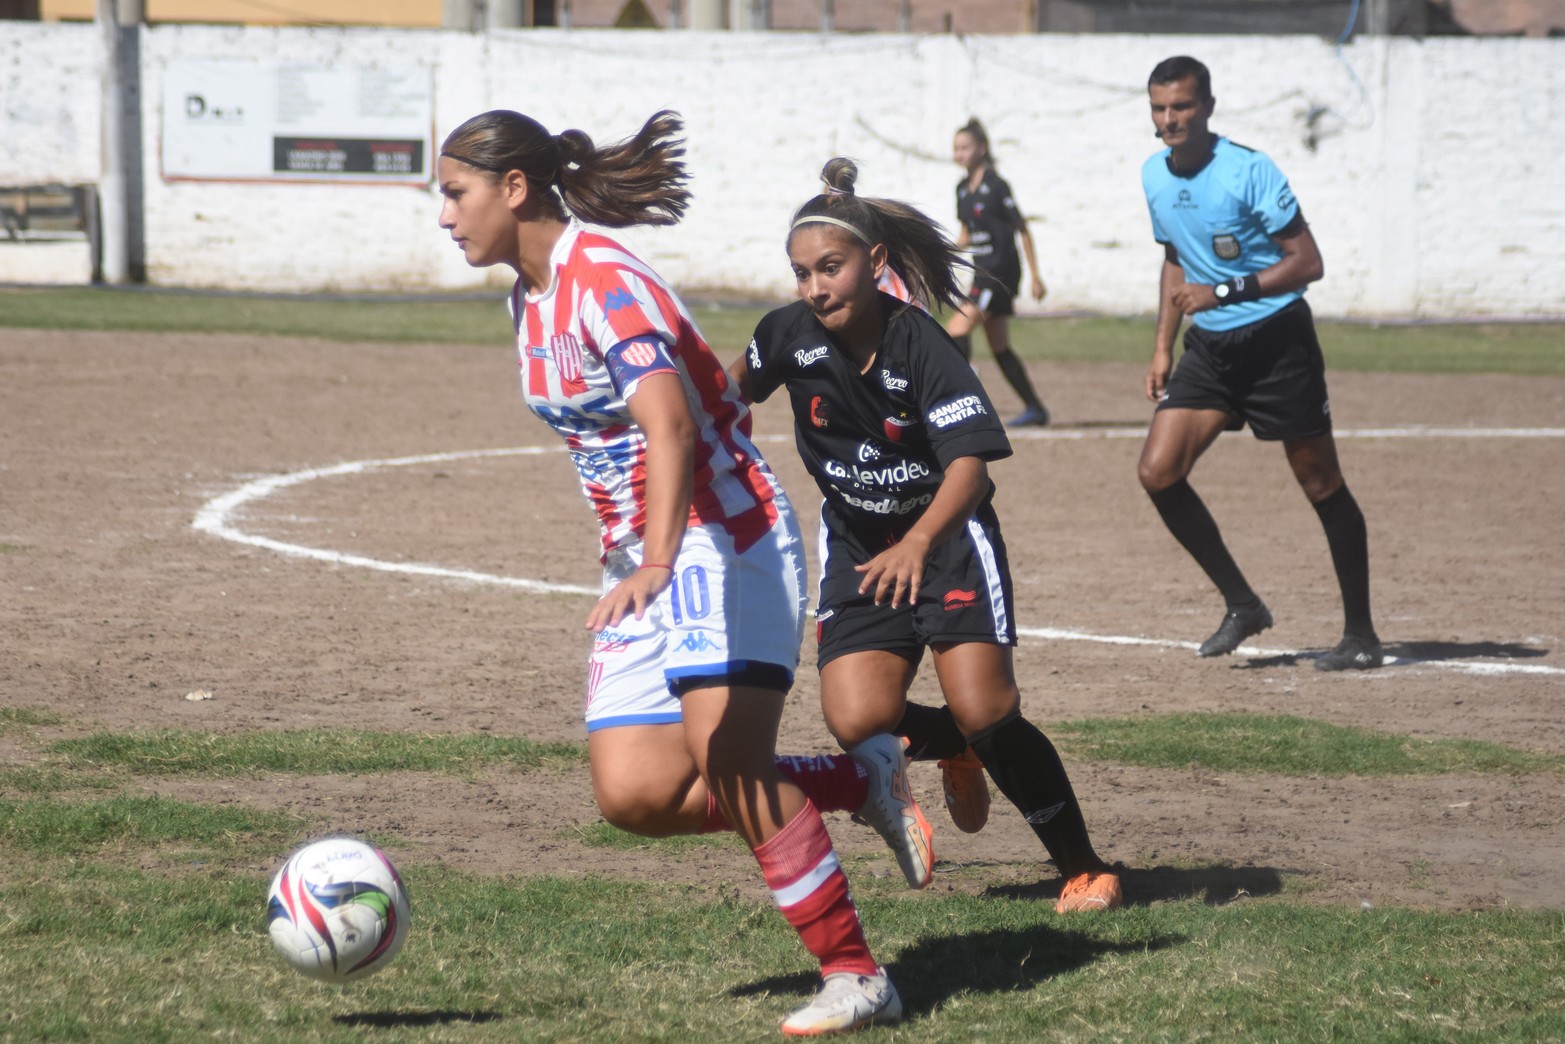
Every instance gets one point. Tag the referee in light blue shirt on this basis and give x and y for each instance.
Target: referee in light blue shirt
(1237, 255)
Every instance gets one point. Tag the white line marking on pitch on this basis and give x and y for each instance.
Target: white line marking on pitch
(1465, 666)
(215, 518)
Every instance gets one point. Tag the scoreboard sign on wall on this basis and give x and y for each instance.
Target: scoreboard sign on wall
(246, 121)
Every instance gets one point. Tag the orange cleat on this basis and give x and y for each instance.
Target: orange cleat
(967, 791)
(1090, 891)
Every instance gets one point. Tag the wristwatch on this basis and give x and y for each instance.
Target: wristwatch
(1221, 291)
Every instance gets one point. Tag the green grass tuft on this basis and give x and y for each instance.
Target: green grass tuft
(1518, 348)
(104, 952)
(48, 827)
(310, 751)
(1285, 746)
(21, 719)
(605, 835)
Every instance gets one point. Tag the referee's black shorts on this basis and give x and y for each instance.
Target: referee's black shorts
(1269, 374)
(964, 596)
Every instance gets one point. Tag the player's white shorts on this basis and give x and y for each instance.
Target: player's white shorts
(725, 611)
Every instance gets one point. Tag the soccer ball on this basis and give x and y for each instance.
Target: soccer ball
(337, 910)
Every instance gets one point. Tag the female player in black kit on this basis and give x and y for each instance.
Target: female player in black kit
(991, 225)
(897, 432)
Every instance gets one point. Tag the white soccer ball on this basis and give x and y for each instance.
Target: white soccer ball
(337, 910)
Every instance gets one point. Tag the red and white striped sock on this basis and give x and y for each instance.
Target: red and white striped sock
(811, 890)
(832, 782)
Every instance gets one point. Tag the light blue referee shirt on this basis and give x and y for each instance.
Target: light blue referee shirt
(1221, 220)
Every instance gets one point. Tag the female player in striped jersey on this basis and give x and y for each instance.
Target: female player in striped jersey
(897, 432)
(698, 629)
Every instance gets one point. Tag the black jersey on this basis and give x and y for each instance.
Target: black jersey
(990, 215)
(877, 443)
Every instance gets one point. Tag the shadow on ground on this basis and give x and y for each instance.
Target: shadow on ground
(1405, 653)
(933, 970)
(1213, 885)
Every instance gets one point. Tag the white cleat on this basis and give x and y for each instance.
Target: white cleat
(891, 810)
(844, 1002)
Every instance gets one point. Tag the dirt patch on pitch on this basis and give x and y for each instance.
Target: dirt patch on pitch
(116, 608)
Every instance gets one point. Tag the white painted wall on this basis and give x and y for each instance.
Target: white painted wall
(1434, 187)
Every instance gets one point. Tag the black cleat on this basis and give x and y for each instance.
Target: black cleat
(1238, 625)
(1032, 417)
(1352, 654)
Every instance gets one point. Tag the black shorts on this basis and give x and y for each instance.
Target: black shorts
(994, 294)
(1270, 374)
(964, 596)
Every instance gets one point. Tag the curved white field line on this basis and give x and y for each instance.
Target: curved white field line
(216, 518)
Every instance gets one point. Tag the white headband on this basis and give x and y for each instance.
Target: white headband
(833, 221)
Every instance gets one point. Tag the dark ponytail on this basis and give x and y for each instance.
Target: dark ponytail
(916, 246)
(639, 181)
(975, 130)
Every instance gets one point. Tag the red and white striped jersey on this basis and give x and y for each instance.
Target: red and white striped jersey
(606, 321)
(891, 282)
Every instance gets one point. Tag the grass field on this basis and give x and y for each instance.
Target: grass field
(1523, 348)
(140, 918)
(125, 915)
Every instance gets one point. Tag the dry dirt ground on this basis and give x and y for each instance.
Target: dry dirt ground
(113, 607)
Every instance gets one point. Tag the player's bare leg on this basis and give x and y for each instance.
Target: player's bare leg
(967, 318)
(1315, 465)
(863, 693)
(731, 733)
(1175, 441)
(645, 780)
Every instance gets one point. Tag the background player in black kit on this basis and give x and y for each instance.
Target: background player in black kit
(897, 431)
(991, 226)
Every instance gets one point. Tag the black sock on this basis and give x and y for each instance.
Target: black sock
(1024, 765)
(1192, 524)
(1015, 372)
(1348, 538)
(931, 732)
(964, 344)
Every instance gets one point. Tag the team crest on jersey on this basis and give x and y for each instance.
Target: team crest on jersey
(640, 353)
(894, 426)
(818, 412)
(1225, 247)
(566, 350)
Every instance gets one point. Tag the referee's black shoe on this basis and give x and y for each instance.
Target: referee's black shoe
(1238, 625)
(1353, 653)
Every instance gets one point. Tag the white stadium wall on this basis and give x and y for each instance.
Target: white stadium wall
(1430, 170)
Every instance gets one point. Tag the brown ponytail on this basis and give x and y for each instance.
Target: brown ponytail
(638, 181)
(916, 245)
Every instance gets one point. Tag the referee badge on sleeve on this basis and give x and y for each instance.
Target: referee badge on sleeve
(1225, 247)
